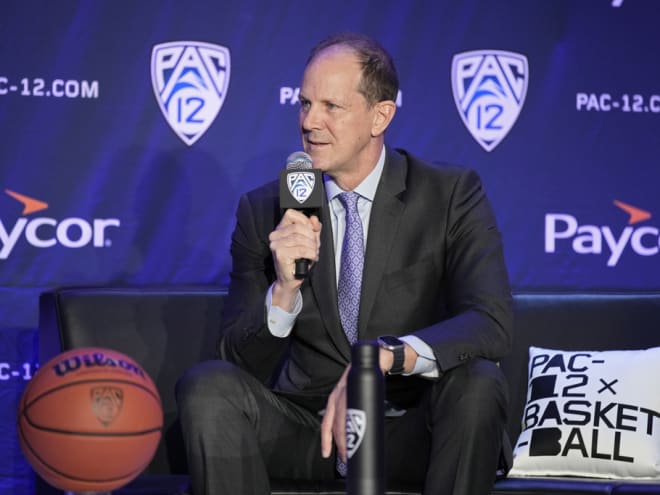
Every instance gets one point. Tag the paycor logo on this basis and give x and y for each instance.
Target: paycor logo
(45, 232)
(643, 240)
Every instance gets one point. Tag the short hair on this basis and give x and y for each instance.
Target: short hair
(379, 81)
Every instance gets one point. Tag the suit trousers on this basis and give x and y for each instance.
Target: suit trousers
(239, 434)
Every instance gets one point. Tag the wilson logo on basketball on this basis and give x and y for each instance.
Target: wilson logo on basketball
(74, 363)
(107, 403)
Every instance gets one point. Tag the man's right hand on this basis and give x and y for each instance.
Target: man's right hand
(296, 236)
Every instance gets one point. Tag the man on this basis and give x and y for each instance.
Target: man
(432, 274)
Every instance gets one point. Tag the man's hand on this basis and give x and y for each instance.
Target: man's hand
(334, 419)
(296, 236)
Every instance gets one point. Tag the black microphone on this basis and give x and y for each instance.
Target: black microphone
(301, 188)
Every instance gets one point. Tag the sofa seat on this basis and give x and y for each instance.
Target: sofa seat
(168, 329)
(179, 485)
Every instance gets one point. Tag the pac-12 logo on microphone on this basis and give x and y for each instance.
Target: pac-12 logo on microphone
(489, 89)
(190, 81)
(301, 185)
(356, 427)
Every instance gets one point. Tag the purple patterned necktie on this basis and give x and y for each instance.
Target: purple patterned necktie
(350, 276)
(352, 262)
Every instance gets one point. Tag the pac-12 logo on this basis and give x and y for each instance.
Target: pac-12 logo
(106, 403)
(489, 89)
(301, 185)
(190, 81)
(356, 428)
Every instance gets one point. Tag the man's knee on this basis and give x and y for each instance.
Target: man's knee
(474, 389)
(206, 382)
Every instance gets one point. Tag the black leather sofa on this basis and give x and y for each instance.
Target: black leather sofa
(167, 329)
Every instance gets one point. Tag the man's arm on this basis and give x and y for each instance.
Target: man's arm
(262, 255)
(477, 290)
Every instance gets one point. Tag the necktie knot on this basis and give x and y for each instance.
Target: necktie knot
(349, 201)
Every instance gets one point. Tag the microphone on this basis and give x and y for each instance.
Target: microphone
(301, 188)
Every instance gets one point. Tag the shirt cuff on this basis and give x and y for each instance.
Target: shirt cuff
(426, 364)
(280, 322)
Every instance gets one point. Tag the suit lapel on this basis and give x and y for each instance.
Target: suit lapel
(386, 213)
(323, 281)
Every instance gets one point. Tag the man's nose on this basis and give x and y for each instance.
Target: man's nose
(310, 119)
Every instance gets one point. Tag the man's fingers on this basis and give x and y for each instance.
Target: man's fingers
(296, 235)
(294, 216)
(316, 223)
(333, 426)
(339, 430)
(326, 430)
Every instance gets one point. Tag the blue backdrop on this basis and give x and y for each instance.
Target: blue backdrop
(129, 129)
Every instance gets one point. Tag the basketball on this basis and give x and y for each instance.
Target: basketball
(90, 420)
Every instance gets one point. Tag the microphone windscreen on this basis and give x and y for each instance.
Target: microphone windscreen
(298, 160)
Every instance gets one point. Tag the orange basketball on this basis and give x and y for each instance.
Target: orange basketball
(90, 420)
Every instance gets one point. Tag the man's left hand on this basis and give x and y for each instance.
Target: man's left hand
(334, 420)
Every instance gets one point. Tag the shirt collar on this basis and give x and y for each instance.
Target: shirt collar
(366, 188)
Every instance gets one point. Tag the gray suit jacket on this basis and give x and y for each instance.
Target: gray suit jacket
(434, 268)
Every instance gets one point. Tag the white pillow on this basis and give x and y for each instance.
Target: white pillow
(591, 413)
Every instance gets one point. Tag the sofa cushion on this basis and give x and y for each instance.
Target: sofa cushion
(591, 413)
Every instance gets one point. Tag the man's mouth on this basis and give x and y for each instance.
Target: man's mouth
(316, 143)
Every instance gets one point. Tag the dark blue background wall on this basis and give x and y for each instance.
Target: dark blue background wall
(561, 126)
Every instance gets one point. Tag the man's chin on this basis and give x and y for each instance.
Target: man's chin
(319, 160)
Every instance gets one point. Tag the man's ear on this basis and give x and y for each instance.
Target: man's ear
(383, 114)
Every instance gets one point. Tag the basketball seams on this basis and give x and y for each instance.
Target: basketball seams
(129, 476)
(25, 411)
(91, 433)
(91, 380)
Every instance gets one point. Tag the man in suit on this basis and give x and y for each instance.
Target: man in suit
(433, 279)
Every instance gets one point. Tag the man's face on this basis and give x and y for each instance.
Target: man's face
(335, 119)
